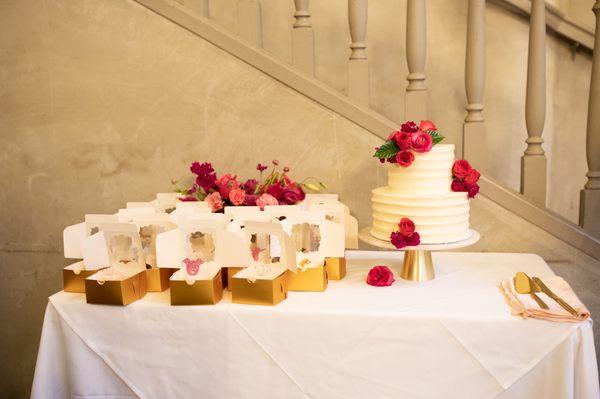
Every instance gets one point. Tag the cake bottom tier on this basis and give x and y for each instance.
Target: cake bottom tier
(438, 219)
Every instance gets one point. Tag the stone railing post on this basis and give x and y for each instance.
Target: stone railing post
(250, 22)
(303, 51)
(533, 162)
(589, 210)
(358, 65)
(474, 130)
(416, 49)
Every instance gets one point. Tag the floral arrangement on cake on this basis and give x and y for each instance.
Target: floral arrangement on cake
(405, 235)
(465, 178)
(401, 145)
(276, 188)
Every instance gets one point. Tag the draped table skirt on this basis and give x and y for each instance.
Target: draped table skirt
(450, 337)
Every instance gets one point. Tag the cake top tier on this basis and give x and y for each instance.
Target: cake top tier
(430, 172)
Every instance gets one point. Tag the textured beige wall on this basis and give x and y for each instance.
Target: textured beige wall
(507, 35)
(104, 102)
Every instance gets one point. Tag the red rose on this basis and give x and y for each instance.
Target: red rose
(409, 127)
(407, 227)
(414, 239)
(472, 190)
(250, 186)
(226, 183)
(390, 137)
(398, 240)
(250, 199)
(380, 276)
(403, 141)
(461, 168)
(421, 142)
(405, 158)
(458, 186)
(426, 126)
(292, 194)
(472, 177)
(276, 191)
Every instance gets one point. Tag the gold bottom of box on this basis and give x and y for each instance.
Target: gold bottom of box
(312, 279)
(201, 292)
(259, 292)
(231, 271)
(75, 282)
(336, 268)
(122, 292)
(158, 278)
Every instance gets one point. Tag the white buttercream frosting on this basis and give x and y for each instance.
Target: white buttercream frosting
(422, 193)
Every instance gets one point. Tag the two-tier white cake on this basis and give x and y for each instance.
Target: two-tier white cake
(422, 193)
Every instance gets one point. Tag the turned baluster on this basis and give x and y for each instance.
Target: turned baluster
(589, 210)
(250, 24)
(533, 162)
(303, 52)
(205, 8)
(358, 65)
(474, 130)
(416, 49)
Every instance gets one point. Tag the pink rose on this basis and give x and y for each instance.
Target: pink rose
(407, 227)
(472, 190)
(226, 183)
(472, 177)
(398, 240)
(458, 186)
(413, 240)
(403, 140)
(426, 126)
(405, 158)
(380, 276)
(421, 142)
(215, 201)
(237, 196)
(461, 168)
(266, 199)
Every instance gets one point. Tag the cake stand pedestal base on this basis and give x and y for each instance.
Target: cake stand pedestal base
(417, 264)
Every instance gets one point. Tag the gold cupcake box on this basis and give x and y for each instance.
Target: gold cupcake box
(116, 292)
(198, 292)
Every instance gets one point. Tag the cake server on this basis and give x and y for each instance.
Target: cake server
(525, 285)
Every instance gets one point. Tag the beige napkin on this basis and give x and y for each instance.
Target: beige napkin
(525, 306)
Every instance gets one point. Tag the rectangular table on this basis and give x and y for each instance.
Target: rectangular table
(453, 336)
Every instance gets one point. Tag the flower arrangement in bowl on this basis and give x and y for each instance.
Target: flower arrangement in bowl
(276, 188)
(401, 145)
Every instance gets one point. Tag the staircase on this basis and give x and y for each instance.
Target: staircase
(354, 101)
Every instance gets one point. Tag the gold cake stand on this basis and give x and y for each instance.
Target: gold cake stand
(417, 264)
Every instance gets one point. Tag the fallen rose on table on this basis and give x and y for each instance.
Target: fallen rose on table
(277, 188)
(380, 276)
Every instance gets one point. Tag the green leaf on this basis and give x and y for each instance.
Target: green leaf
(389, 149)
(435, 136)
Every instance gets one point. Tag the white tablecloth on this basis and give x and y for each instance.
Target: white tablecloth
(449, 337)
